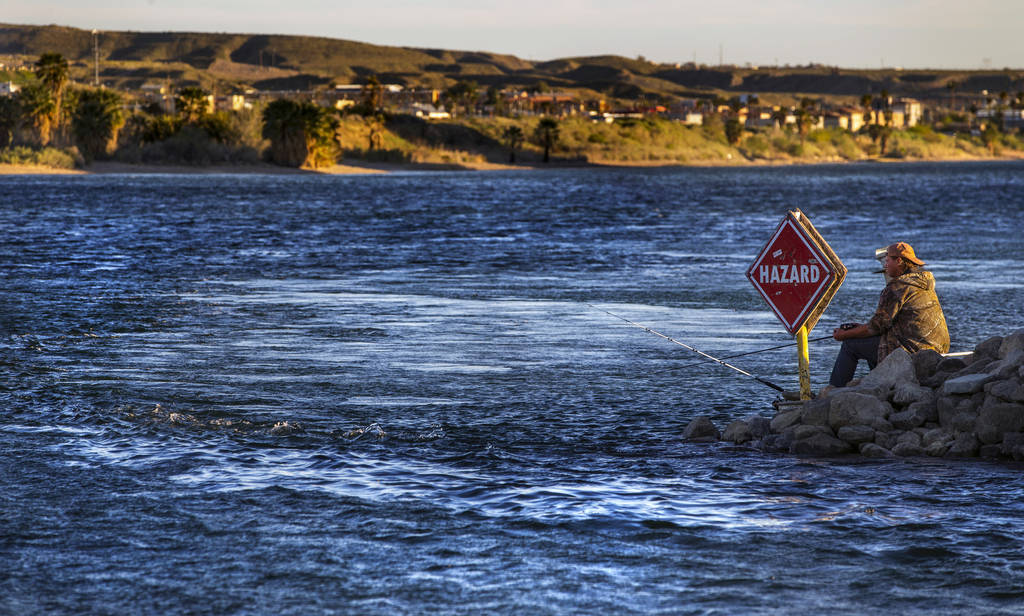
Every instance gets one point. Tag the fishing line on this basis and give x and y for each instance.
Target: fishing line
(688, 347)
(781, 346)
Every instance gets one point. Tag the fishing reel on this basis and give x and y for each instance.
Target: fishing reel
(845, 326)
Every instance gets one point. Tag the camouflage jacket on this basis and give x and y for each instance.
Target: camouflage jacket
(909, 315)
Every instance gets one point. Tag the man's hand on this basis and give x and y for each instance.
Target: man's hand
(850, 330)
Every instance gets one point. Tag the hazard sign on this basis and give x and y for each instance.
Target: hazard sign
(797, 273)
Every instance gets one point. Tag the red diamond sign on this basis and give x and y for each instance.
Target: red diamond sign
(797, 273)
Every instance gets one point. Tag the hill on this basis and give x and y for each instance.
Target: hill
(237, 61)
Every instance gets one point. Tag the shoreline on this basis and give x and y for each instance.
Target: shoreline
(371, 168)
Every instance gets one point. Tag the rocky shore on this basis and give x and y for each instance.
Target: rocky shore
(910, 405)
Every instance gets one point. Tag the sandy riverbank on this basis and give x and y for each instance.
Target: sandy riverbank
(361, 167)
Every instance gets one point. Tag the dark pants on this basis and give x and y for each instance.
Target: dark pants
(850, 353)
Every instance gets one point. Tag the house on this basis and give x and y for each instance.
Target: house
(909, 108)
(426, 111)
(9, 88)
(232, 102)
(846, 118)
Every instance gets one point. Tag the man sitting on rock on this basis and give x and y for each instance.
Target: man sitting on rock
(908, 316)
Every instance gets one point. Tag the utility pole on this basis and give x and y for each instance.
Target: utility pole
(96, 57)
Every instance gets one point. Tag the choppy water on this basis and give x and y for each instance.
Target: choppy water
(348, 395)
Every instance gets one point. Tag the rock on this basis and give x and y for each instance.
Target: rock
(925, 363)
(909, 438)
(964, 422)
(1008, 366)
(820, 444)
(965, 446)
(976, 368)
(937, 435)
(1013, 445)
(856, 435)
(784, 420)
(701, 430)
(926, 409)
(815, 412)
(1011, 343)
(738, 431)
(805, 432)
(951, 364)
(759, 426)
(967, 384)
(897, 367)
(990, 451)
(1008, 391)
(852, 408)
(907, 450)
(946, 409)
(881, 425)
(996, 420)
(936, 380)
(988, 348)
(909, 419)
(886, 439)
(871, 450)
(937, 449)
(880, 391)
(908, 393)
(779, 442)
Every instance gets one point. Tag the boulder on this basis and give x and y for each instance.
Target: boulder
(738, 431)
(784, 420)
(886, 440)
(964, 422)
(820, 444)
(1013, 445)
(852, 408)
(914, 416)
(907, 450)
(804, 432)
(965, 446)
(908, 393)
(988, 348)
(1008, 366)
(1011, 343)
(871, 450)
(967, 384)
(897, 367)
(990, 451)
(975, 368)
(759, 426)
(701, 430)
(996, 420)
(951, 364)
(936, 380)
(937, 435)
(816, 412)
(909, 438)
(937, 449)
(856, 435)
(1009, 390)
(881, 425)
(946, 408)
(925, 363)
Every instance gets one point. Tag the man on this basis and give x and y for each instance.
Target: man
(908, 316)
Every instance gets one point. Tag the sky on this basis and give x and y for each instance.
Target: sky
(956, 34)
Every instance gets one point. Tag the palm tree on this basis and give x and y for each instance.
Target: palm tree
(300, 134)
(513, 138)
(951, 85)
(779, 116)
(546, 135)
(805, 117)
(373, 95)
(52, 71)
(10, 119)
(38, 107)
(95, 122)
(192, 104)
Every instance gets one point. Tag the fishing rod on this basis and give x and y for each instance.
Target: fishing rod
(688, 347)
(781, 346)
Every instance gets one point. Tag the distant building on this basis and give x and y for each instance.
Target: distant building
(9, 88)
